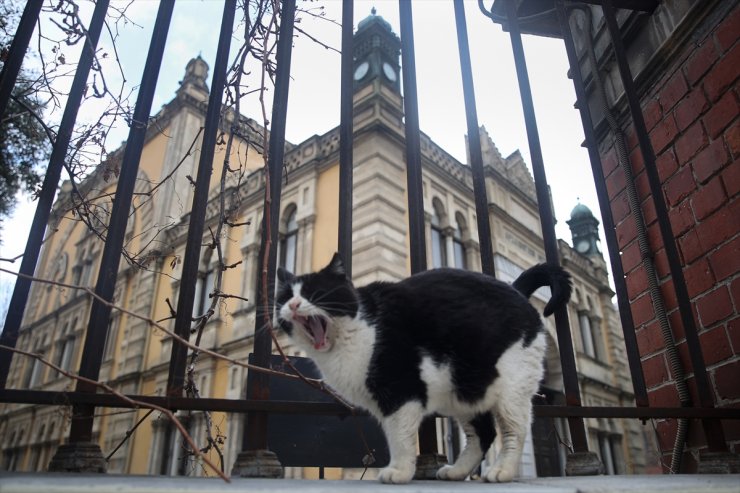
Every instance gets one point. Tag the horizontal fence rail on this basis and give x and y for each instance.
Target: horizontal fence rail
(336, 409)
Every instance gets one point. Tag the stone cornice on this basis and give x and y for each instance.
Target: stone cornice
(248, 130)
(56, 313)
(497, 212)
(594, 273)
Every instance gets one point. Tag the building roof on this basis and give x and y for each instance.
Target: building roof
(373, 18)
(580, 211)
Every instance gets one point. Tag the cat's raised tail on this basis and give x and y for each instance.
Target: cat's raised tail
(545, 275)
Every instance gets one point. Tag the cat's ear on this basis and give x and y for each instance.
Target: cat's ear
(336, 266)
(284, 276)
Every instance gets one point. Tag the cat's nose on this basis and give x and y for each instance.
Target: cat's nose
(293, 305)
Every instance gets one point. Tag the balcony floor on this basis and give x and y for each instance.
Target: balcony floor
(84, 483)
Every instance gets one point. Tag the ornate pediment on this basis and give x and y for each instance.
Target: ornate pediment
(518, 174)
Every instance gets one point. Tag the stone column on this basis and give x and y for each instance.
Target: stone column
(472, 254)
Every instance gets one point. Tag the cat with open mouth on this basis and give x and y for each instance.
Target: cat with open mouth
(446, 341)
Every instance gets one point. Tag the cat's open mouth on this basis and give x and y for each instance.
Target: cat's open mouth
(316, 328)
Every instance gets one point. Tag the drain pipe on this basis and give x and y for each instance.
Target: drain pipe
(645, 253)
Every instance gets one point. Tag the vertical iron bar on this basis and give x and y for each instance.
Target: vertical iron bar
(712, 428)
(346, 139)
(625, 313)
(476, 155)
(417, 240)
(191, 259)
(92, 353)
(413, 141)
(255, 430)
(562, 325)
(17, 51)
(19, 298)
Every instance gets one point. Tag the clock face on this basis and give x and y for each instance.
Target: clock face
(361, 70)
(389, 72)
(582, 246)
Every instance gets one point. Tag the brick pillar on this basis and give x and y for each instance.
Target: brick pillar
(691, 113)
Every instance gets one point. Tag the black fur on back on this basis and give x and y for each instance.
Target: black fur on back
(462, 319)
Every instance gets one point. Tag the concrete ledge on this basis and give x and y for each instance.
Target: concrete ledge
(107, 483)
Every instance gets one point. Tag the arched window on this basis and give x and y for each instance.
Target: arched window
(584, 324)
(591, 334)
(458, 246)
(204, 285)
(111, 338)
(439, 251)
(67, 353)
(289, 240)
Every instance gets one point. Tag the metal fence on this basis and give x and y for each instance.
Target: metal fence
(258, 406)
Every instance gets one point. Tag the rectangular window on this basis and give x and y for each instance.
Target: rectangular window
(111, 339)
(9, 459)
(610, 446)
(59, 351)
(606, 453)
(460, 261)
(168, 437)
(67, 353)
(35, 459)
(598, 338)
(615, 444)
(203, 289)
(36, 372)
(288, 250)
(86, 271)
(76, 274)
(586, 335)
(439, 255)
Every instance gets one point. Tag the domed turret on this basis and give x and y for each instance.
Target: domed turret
(194, 82)
(584, 229)
(580, 212)
(376, 51)
(373, 18)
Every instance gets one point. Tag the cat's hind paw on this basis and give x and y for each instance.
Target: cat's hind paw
(396, 475)
(498, 474)
(451, 473)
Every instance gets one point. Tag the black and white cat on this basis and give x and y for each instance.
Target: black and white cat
(444, 341)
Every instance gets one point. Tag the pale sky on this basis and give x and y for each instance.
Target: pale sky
(313, 107)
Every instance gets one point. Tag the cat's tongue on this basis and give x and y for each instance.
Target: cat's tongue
(316, 325)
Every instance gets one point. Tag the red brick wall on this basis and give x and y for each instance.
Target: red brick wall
(692, 116)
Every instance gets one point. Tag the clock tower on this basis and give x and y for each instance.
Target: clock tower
(584, 228)
(376, 53)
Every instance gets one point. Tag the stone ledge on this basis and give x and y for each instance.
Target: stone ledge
(109, 483)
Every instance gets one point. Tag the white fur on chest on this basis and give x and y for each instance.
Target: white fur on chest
(345, 367)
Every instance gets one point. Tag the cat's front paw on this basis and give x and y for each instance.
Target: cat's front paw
(451, 473)
(396, 475)
(499, 474)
